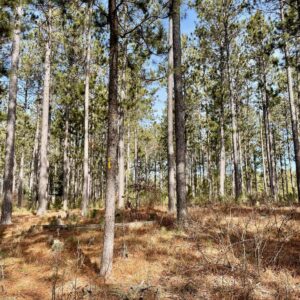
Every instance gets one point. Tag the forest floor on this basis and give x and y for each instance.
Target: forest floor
(226, 252)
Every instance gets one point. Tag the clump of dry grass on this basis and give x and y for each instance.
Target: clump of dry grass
(237, 251)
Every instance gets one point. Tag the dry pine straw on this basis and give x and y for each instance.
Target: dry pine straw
(225, 253)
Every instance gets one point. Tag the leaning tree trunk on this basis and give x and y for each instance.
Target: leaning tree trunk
(179, 117)
(43, 165)
(85, 189)
(171, 156)
(11, 122)
(112, 145)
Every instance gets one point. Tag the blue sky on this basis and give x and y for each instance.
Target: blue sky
(188, 22)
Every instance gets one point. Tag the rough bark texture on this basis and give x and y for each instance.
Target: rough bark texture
(171, 154)
(112, 145)
(43, 165)
(179, 116)
(11, 122)
(85, 189)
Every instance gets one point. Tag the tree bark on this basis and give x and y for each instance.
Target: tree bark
(289, 157)
(43, 165)
(21, 181)
(294, 120)
(268, 132)
(236, 158)
(66, 181)
(11, 122)
(85, 189)
(33, 181)
(128, 169)
(121, 164)
(263, 158)
(112, 145)
(222, 165)
(222, 154)
(179, 117)
(171, 154)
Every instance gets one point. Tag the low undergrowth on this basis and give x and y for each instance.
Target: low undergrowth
(225, 252)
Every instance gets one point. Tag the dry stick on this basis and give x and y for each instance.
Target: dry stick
(96, 226)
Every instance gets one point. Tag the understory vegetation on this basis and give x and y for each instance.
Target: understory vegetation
(227, 252)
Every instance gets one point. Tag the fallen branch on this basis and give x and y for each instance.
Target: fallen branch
(130, 225)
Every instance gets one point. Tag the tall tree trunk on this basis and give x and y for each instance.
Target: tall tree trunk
(21, 181)
(282, 175)
(112, 145)
(121, 143)
(121, 164)
(240, 151)
(14, 177)
(136, 169)
(135, 159)
(179, 116)
(289, 159)
(35, 158)
(43, 165)
(266, 189)
(222, 163)
(268, 133)
(171, 154)
(275, 163)
(195, 176)
(236, 160)
(236, 166)
(128, 170)
(11, 122)
(66, 181)
(222, 154)
(293, 111)
(255, 172)
(85, 189)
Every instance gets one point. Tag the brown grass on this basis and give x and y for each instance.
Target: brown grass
(226, 252)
